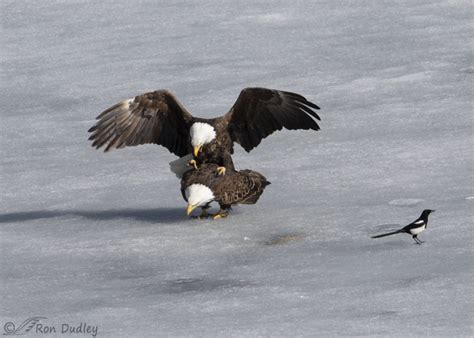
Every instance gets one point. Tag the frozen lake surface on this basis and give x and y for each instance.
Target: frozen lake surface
(104, 239)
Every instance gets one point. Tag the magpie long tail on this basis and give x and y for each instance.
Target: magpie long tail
(387, 234)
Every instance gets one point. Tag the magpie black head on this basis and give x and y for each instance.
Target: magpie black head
(426, 212)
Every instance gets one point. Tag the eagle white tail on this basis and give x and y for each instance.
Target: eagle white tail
(180, 166)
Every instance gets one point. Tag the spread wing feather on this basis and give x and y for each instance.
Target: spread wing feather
(258, 112)
(154, 117)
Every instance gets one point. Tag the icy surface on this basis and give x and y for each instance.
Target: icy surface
(103, 238)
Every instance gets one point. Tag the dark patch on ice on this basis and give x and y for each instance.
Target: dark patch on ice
(385, 313)
(468, 70)
(202, 285)
(284, 238)
(158, 215)
(409, 282)
(376, 314)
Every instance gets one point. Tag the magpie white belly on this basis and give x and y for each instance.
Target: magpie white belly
(416, 231)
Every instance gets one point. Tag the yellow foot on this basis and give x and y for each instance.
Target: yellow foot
(220, 215)
(221, 170)
(193, 163)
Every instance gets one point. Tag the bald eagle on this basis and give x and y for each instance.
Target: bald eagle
(158, 117)
(200, 187)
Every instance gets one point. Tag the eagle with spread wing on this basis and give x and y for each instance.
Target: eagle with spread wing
(158, 117)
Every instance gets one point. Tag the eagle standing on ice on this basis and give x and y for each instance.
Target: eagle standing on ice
(158, 117)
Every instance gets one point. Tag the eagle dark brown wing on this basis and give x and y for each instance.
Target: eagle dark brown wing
(155, 117)
(254, 184)
(258, 112)
(244, 186)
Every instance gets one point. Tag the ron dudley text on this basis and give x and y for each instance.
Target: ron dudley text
(65, 328)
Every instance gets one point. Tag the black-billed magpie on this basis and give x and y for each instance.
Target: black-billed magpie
(414, 228)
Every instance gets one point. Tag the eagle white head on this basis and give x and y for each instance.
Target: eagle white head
(201, 134)
(198, 195)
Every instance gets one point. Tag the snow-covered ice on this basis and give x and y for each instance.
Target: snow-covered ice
(104, 238)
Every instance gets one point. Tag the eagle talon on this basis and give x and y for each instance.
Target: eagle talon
(221, 214)
(221, 170)
(193, 163)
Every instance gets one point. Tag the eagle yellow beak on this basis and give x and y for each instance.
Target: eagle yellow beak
(190, 209)
(197, 150)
